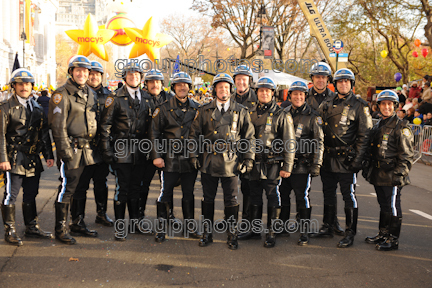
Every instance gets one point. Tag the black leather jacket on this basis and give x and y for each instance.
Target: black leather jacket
(72, 119)
(170, 123)
(23, 135)
(235, 124)
(273, 124)
(314, 99)
(391, 151)
(309, 137)
(346, 128)
(249, 99)
(122, 123)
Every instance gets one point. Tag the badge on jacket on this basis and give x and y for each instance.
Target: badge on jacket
(156, 112)
(57, 98)
(319, 120)
(109, 101)
(366, 110)
(406, 132)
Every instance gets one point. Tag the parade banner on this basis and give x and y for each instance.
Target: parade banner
(267, 40)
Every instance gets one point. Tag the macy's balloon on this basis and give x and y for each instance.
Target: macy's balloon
(147, 41)
(91, 39)
(119, 22)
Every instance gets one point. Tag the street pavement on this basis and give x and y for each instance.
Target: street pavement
(180, 262)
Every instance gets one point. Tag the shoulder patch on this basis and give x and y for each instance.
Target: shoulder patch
(406, 132)
(366, 110)
(109, 101)
(156, 112)
(196, 115)
(319, 120)
(57, 97)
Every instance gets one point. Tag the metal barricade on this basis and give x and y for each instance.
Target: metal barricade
(417, 131)
(426, 145)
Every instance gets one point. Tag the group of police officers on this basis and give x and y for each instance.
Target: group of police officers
(321, 133)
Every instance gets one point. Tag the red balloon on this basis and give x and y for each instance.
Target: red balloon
(417, 42)
(425, 52)
(415, 54)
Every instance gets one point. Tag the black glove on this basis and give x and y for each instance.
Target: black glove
(108, 157)
(246, 166)
(355, 167)
(397, 180)
(195, 163)
(314, 170)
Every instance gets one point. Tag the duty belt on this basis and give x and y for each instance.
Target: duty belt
(25, 149)
(337, 151)
(80, 143)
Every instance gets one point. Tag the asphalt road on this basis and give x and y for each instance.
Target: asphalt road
(180, 262)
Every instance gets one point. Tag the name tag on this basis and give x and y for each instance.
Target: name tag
(268, 124)
(299, 130)
(344, 118)
(235, 120)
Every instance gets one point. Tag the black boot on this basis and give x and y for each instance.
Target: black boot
(78, 226)
(143, 204)
(384, 222)
(134, 215)
(232, 239)
(246, 208)
(305, 214)
(295, 226)
(207, 209)
(8, 213)
(31, 222)
(61, 229)
(171, 217)
(119, 214)
(272, 214)
(163, 209)
(284, 216)
(391, 240)
(328, 219)
(188, 207)
(101, 208)
(255, 213)
(351, 216)
(337, 229)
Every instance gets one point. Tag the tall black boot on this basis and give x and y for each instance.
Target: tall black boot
(119, 214)
(384, 222)
(31, 222)
(101, 199)
(328, 219)
(255, 214)
(305, 214)
(232, 236)
(188, 207)
(207, 209)
(143, 204)
(133, 209)
(272, 214)
(284, 216)
(391, 240)
(163, 209)
(351, 216)
(337, 229)
(295, 226)
(8, 213)
(61, 229)
(78, 225)
(246, 207)
(171, 217)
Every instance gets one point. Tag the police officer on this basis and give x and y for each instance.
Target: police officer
(222, 123)
(347, 122)
(24, 134)
(99, 171)
(72, 119)
(153, 83)
(271, 124)
(172, 122)
(246, 96)
(321, 76)
(388, 165)
(308, 158)
(124, 124)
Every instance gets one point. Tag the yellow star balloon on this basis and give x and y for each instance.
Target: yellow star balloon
(147, 41)
(91, 39)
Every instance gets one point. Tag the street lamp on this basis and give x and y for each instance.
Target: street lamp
(261, 14)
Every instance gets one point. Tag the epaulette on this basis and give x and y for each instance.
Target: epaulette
(361, 100)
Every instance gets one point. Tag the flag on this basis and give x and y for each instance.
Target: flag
(16, 64)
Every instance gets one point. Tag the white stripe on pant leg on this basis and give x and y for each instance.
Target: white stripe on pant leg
(162, 186)
(8, 189)
(64, 182)
(353, 191)
(278, 193)
(306, 192)
(393, 201)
